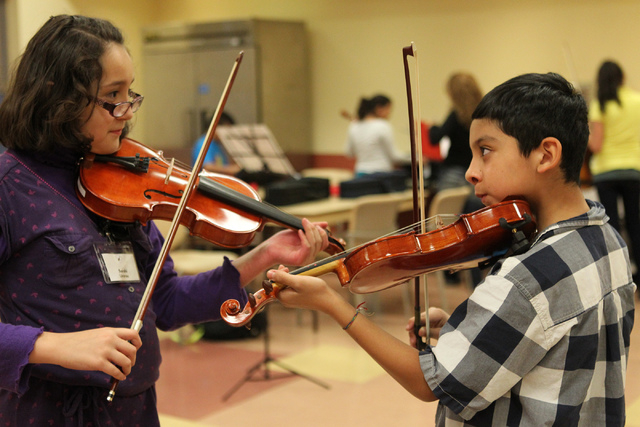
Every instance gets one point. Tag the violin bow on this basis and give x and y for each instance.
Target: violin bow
(417, 176)
(164, 252)
(571, 66)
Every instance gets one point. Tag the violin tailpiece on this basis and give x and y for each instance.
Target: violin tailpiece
(136, 164)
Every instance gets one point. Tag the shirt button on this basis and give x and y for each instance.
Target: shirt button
(131, 289)
(71, 249)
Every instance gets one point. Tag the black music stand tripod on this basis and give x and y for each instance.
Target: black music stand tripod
(266, 373)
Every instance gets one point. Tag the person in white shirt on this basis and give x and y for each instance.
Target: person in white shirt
(370, 138)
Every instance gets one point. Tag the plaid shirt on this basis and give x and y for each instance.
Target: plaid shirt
(544, 340)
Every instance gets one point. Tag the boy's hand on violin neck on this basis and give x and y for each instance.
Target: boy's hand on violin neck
(308, 292)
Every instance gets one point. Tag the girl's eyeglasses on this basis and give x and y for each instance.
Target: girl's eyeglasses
(121, 108)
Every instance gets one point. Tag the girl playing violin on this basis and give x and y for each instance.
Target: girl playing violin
(544, 340)
(66, 312)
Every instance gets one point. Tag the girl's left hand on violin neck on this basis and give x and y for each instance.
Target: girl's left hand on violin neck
(298, 247)
(288, 247)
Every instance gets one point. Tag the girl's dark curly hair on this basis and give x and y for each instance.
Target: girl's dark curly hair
(54, 82)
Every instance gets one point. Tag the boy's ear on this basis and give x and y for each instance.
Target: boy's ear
(549, 154)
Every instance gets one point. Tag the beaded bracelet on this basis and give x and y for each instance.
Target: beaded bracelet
(359, 308)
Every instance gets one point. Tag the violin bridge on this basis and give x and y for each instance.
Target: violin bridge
(169, 171)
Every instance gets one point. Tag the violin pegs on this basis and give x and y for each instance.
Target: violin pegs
(267, 285)
(252, 301)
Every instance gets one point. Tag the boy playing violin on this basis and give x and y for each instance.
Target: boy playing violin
(544, 339)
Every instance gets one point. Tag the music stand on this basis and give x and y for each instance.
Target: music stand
(254, 148)
(266, 373)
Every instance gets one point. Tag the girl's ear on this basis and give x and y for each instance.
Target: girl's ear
(549, 154)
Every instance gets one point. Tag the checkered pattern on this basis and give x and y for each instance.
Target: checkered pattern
(544, 339)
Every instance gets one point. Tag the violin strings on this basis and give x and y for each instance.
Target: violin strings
(431, 224)
(183, 165)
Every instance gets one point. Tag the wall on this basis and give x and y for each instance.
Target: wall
(25, 17)
(356, 45)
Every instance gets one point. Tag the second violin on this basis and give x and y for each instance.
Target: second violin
(391, 260)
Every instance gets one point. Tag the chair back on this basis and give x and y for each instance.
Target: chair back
(373, 216)
(449, 201)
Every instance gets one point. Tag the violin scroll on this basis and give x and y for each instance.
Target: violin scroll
(230, 309)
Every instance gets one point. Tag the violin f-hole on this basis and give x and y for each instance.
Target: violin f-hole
(147, 194)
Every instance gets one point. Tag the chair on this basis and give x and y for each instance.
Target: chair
(445, 202)
(449, 201)
(373, 216)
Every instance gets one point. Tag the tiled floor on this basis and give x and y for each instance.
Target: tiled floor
(196, 377)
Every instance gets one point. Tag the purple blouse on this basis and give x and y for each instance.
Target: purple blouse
(51, 280)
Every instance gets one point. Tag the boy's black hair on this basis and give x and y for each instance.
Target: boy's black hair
(532, 107)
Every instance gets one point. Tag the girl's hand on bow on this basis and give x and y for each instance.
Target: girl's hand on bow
(109, 350)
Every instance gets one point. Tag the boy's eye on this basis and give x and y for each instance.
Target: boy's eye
(484, 151)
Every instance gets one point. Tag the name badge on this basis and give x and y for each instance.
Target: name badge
(118, 262)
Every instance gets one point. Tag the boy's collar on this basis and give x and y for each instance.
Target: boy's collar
(596, 215)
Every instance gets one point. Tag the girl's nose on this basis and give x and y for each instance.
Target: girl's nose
(127, 116)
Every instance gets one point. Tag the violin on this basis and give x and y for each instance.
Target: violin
(391, 260)
(139, 184)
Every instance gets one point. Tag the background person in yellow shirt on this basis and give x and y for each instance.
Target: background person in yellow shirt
(614, 119)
